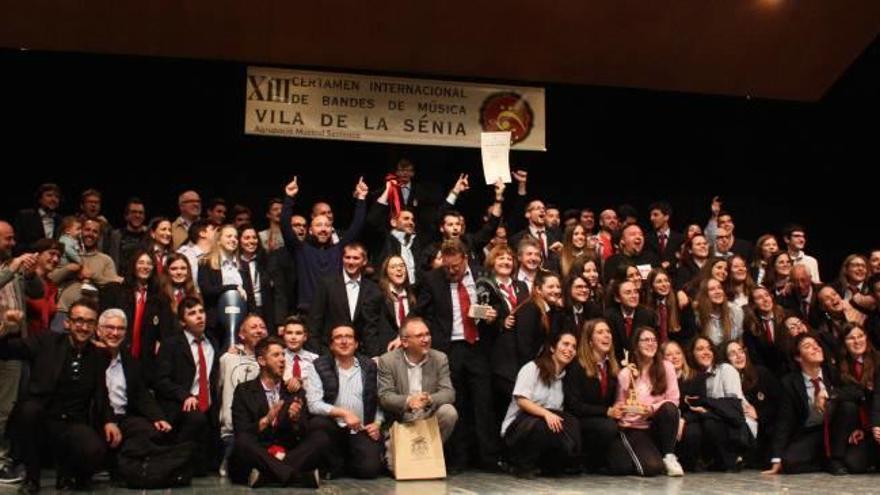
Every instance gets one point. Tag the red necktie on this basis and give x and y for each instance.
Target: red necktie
(401, 312)
(628, 323)
(768, 330)
(663, 314)
(543, 243)
(464, 300)
(203, 377)
(603, 379)
(864, 417)
(817, 392)
(160, 262)
(178, 294)
(511, 297)
(140, 304)
(662, 242)
(297, 371)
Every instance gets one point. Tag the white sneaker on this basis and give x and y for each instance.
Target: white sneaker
(673, 468)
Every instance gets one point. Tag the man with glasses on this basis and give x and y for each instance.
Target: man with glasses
(414, 381)
(795, 237)
(67, 383)
(131, 405)
(190, 204)
(342, 393)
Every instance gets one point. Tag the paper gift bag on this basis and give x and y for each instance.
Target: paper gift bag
(418, 450)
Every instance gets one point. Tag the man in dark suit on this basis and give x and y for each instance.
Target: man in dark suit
(444, 302)
(66, 386)
(42, 222)
(397, 235)
(816, 417)
(663, 242)
(186, 382)
(626, 315)
(632, 252)
(131, 405)
(340, 299)
(535, 224)
(272, 442)
(723, 221)
(803, 299)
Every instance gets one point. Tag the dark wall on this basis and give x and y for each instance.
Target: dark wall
(152, 127)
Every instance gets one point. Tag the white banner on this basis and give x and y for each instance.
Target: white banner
(322, 105)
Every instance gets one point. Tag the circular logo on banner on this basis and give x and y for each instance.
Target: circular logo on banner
(507, 112)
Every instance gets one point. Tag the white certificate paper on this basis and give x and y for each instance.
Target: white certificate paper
(495, 147)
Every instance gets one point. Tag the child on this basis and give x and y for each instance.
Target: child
(71, 229)
(295, 334)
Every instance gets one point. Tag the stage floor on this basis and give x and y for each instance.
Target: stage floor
(477, 483)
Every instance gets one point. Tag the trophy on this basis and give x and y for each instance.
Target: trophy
(232, 309)
(478, 311)
(632, 404)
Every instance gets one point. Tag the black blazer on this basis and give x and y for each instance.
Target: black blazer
(249, 405)
(583, 394)
(572, 323)
(530, 334)
(330, 309)
(158, 321)
(176, 372)
(502, 342)
(761, 351)
(693, 387)
(384, 244)
(283, 266)
(381, 327)
(29, 228)
(794, 406)
(47, 353)
(140, 400)
(765, 397)
(642, 317)
(673, 245)
(613, 264)
(743, 248)
(685, 274)
(268, 281)
(435, 306)
(211, 287)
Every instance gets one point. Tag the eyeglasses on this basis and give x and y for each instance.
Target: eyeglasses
(82, 322)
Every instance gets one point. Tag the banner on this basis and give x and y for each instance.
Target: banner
(322, 105)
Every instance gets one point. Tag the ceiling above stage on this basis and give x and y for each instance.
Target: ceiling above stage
(786, 49)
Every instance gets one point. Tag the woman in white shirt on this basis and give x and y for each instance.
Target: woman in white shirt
(536, 432)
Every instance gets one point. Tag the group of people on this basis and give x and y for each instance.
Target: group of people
(542, 341)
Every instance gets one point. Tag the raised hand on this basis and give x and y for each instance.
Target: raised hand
(461, 185)
(292, 188)
(361, 189)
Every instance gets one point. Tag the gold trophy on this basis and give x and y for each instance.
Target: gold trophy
(632, 404)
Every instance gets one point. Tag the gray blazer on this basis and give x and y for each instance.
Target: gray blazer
(394, 381)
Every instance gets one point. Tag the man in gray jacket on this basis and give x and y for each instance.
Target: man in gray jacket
(414, 380)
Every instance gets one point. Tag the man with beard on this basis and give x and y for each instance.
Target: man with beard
(67, 383)
(318, 256)
(273, 444)
(190, 205)
(17, 282)
(632, 243)
(126, 240)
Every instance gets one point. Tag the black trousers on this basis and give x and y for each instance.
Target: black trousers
(77, 448)
(808, 452)
(597, 435)
(357, 454)
(641, 451)
(477, 429)
(247, 453)
(195, 426)
(529, 442)
(502, 394)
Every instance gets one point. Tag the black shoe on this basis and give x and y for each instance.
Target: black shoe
(64, 483)
(10, 475)
(837, 468)
(309, 479)
(29, 487)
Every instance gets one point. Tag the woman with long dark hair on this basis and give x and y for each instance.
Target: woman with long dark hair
(536, 432)
(762, 391)
(671, 307)
(385, 315)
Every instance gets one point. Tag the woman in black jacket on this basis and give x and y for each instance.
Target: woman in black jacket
(590, 387)
(692, 390)
(763, 391)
